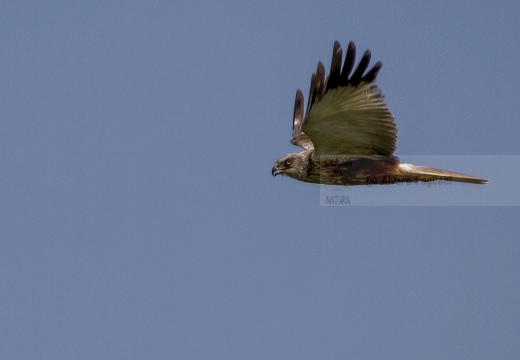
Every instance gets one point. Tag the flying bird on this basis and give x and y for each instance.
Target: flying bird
(348, 133)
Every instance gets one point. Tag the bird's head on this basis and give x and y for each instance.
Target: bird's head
(292, 165)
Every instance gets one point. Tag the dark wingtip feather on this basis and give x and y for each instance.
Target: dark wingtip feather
(348, 64)
(333, 79)
(317, 86)
(312, 90)
(357, 76)
(371, 75)
(320, 79)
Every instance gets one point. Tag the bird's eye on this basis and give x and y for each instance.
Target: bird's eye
(288, 162)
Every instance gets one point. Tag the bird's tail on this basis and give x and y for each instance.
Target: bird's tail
(423, 173)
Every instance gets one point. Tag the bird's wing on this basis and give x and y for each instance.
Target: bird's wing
(347, 114)
(299, 138)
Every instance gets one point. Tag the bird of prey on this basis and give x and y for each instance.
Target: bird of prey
(348, 133)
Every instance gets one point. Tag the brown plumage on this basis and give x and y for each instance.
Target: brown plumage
(348, 132)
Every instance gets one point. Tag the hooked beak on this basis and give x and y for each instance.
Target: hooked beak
(276, 171)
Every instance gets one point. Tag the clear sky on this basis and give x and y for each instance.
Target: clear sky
(139, 218)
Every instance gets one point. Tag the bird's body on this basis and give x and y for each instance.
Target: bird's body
(348, 132)
(363, 170)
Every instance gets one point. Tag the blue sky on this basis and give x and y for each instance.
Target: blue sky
(139, 218)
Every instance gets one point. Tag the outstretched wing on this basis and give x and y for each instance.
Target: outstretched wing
(346, 115)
